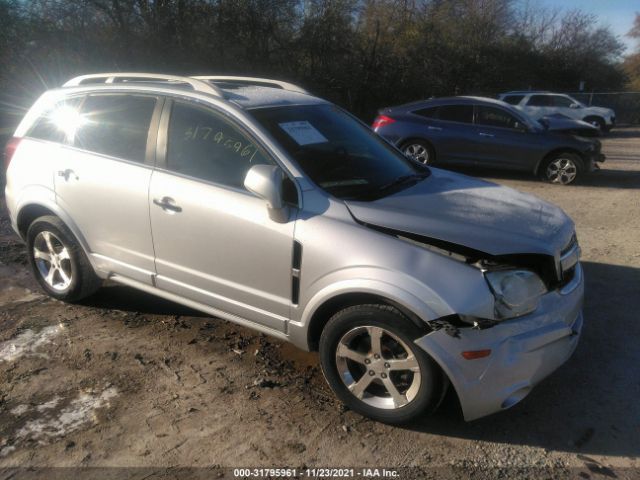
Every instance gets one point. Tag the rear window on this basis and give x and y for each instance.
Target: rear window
(116, 125)
(55, 123)
(513, 99)
(456, 113)
(427, 112)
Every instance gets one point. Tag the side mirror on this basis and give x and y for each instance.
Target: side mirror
(266, 182)
(574, 105)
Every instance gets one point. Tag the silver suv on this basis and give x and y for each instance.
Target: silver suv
(543, 104)
(253, 201)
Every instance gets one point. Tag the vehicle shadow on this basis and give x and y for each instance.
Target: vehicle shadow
(604, 178)
(120, 297)
(626, 131)
(590, 405)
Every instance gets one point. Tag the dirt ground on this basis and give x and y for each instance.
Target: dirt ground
(128, 380)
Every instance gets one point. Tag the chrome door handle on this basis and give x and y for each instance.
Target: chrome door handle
(68, 173)
(436, 129)
(167, 203)
(490, 135)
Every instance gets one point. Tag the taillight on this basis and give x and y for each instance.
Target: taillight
(9, 150)
(381, 121)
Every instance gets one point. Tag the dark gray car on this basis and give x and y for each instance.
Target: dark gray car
(486, 132)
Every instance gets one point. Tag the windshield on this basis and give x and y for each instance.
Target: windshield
(341, 155)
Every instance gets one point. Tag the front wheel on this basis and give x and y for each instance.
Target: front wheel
(597, 122)
(562, 169)
(371, 362)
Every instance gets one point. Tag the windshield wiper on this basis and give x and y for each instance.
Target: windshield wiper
(402, 179)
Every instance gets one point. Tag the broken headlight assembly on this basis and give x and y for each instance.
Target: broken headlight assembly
(516, 291)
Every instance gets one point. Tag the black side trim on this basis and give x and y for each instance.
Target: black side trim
(296, 263)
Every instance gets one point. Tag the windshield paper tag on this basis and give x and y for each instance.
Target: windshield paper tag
(303, 132)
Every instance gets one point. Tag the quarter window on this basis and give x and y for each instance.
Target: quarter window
(205, 145)
(55, 124)
(427, 112)
(116, 125)
(495, 117)
(456, 113)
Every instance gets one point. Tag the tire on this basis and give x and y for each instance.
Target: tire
(418, 389)
(562, 169)
(419, 150)
(597, 122)
(66, 275)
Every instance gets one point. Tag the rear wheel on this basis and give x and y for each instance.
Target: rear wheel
(58, 262)
(562, 168)
(371, 362)
(419, 150)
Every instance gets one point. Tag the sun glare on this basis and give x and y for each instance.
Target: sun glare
(67, 119)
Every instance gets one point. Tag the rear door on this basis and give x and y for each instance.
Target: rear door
(539, 105)
(451, 132)
(102, 180)
(214, 240)
(503, 140)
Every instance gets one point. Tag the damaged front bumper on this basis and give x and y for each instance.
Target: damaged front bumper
(523, 351)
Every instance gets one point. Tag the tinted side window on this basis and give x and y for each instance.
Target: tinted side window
(116, 125)
(456, 113)
(513, 99)
(427, 112)
(540, 101)
(56, 123)
(495, 117)
(205, 145)
(560, 101)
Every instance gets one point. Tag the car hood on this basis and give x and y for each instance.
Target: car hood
(559, 122)
(472, 213)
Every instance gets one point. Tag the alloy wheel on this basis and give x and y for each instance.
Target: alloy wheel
(377, 367)
(417, 152)
(52, 260)
(562, 170)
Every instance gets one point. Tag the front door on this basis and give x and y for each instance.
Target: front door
(102, 181)
(503, 141)
(214, 241)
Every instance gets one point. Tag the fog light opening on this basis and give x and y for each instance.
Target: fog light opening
(515, 397)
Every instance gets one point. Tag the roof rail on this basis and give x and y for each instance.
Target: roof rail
(196, 84)
(252, 80)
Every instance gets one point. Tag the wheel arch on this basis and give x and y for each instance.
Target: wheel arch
(594, 117)
(403, 141)
(29, 211)
(329, 307)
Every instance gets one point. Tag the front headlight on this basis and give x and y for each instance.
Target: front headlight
(517, 292)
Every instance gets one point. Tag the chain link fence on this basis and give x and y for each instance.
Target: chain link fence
(625, 104)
